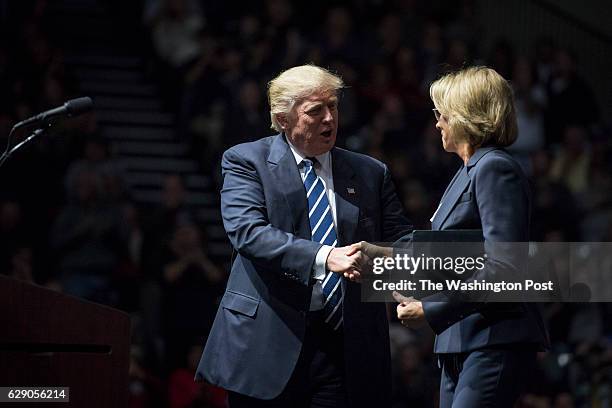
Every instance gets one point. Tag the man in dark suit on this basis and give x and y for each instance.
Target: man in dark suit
(291, 329)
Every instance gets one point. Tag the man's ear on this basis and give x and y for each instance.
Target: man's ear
(281, 118)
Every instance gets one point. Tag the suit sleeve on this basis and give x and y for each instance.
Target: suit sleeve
(245, 219)
(395, 224)
(502, 198)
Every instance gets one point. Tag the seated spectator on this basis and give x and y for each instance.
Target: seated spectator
(572, 162)
(192, 287)
(553, 204)
(530, 102)
(162, 222)
(96, 158)
(183, 392)
(13, 234)
(414, 381)
(22, 265)
(571, 100)
(175, 27)
(145, 389)
(88, 238)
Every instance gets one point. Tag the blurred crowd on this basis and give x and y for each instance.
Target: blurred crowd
(68, 221)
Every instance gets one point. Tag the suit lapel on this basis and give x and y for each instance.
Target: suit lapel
(450, 197)
(456, 187)
(450, 185)
(287, 176)
(347, 193)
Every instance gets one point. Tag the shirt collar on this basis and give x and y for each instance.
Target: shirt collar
(323, 159)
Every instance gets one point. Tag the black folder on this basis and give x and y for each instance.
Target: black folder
(442, 244)
(468, 235)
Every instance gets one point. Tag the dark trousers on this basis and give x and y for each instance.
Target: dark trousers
(318, 380)
(484, 378)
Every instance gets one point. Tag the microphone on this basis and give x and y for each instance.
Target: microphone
(73, 107)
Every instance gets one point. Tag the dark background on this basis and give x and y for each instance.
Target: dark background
(121, 206)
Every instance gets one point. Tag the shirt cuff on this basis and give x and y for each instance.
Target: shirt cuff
(319, 269)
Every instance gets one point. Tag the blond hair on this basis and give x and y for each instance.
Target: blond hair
(297, 83)
(478, 104)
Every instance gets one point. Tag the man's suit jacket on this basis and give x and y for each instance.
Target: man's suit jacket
(257, 335)
(489, 193)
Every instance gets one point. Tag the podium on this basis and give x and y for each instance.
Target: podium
(50, 339)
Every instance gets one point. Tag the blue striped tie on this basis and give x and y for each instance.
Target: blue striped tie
(322, 230)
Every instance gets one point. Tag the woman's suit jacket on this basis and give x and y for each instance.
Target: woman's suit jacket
(489, 193)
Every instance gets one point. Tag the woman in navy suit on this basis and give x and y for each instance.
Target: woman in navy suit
(485, 350)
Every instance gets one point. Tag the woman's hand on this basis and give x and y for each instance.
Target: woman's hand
(373, 251)
(409, 311)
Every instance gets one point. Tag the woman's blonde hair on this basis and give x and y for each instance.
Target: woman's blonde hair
(297, 83)
(478, 104)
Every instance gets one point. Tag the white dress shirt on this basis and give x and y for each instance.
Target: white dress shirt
(323, 169)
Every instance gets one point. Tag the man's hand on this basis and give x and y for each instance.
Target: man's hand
(366, 252)
(348, 261)
(409, 311)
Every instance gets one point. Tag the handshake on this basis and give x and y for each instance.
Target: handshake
(355, 260)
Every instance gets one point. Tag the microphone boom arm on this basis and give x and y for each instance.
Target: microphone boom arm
(73, 107)
(9, 151)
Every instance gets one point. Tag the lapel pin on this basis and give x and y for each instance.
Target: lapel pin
(350, 190)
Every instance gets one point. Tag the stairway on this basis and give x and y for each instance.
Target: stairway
(130, 112)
